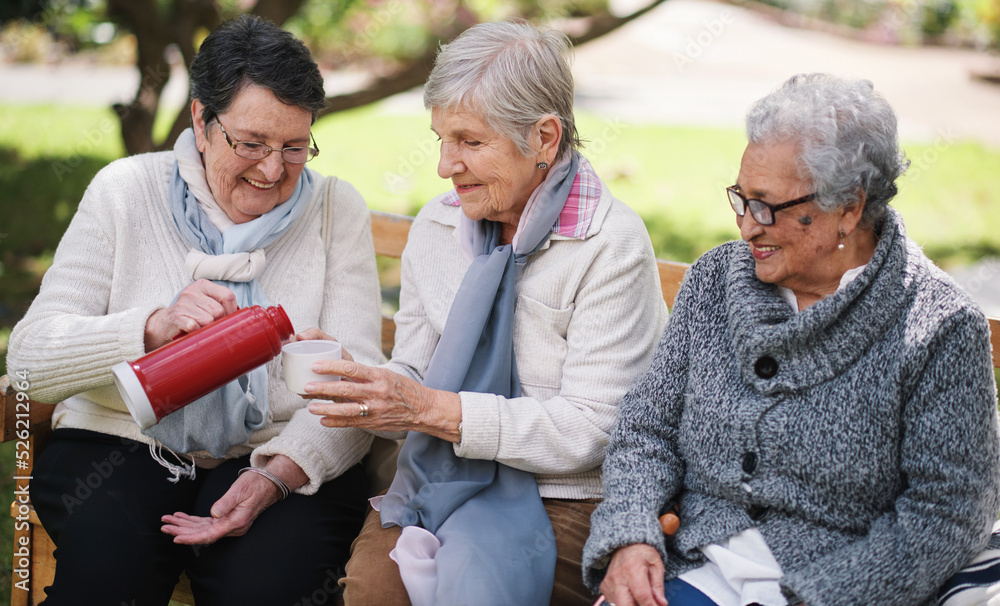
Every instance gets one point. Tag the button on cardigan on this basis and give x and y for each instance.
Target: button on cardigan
(874, 430)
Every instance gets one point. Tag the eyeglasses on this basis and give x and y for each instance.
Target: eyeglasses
(762, 212)
(259, 151)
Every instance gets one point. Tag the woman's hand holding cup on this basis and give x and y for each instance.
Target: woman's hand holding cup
(382, 400)
(299, 356)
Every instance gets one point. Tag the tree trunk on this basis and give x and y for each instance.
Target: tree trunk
(154, 32)
(600, 25)
(278, 11)
(415, 73)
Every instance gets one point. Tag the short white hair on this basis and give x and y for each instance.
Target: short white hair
(509, 74)
(846, 137)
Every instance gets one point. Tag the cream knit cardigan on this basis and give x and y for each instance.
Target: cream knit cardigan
(587, 319)
(122, 258)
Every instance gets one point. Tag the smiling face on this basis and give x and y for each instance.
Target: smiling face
(246, 189)
(790, 253)
(491, 176)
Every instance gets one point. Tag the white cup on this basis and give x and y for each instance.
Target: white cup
(297, 359)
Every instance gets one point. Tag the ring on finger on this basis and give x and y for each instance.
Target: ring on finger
(364, 410)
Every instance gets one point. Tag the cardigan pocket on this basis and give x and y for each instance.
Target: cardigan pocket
(540, 342)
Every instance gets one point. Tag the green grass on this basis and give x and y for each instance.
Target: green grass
(672, 176)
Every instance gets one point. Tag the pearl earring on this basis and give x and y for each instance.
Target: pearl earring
(842, 236)
(543, 165)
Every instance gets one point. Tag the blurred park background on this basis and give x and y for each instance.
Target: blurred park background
(662, 87)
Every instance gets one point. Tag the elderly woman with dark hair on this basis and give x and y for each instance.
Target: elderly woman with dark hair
(530, 302)
(165, 243)
(821, 410)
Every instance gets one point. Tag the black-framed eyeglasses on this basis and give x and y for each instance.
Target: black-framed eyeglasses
(259, 151)
(762, 212)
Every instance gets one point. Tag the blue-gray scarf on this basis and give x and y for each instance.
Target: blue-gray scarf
(497, 543)
(228, 415)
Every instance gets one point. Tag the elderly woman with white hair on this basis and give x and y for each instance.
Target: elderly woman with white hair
(821, 410)
(529, 305)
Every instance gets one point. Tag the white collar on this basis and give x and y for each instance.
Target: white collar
(849, 275)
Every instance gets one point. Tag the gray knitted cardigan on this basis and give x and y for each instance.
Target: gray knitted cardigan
(865, 427)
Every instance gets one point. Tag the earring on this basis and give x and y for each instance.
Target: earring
(543, 165)
(842, 236)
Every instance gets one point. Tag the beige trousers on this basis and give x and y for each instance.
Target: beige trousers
(373, 578)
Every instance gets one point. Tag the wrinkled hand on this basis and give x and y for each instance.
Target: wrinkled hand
(200, 303)
(233, 514)
(635, 577)
(393, 402)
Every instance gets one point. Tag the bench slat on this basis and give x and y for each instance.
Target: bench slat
(35, 414)
(671, 276)
(389, 232)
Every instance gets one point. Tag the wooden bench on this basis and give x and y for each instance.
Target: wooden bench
(29, 422)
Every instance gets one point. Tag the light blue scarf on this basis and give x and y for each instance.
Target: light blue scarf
(497, 543)
(229, 415)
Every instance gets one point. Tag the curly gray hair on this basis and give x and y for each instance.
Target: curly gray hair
(845, 134)
(510, 74)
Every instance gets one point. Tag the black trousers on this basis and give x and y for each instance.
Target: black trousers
(101, 498)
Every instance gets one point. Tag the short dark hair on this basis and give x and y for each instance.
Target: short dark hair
(253, 50)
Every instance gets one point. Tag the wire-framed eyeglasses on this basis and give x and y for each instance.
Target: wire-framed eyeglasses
(763, 213)
(259, 151)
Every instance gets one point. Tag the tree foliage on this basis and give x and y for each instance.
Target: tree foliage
(394, 41)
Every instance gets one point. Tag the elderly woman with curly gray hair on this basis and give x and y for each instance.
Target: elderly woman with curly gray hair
(821, 409)
(529, 305)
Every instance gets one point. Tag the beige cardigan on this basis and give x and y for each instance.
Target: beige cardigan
(122, 258)
(589, 314)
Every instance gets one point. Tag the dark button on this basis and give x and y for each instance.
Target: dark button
(756, 512)
(766, 367)
(749, 462)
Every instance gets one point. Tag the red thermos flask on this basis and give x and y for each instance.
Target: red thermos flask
(200, 362)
